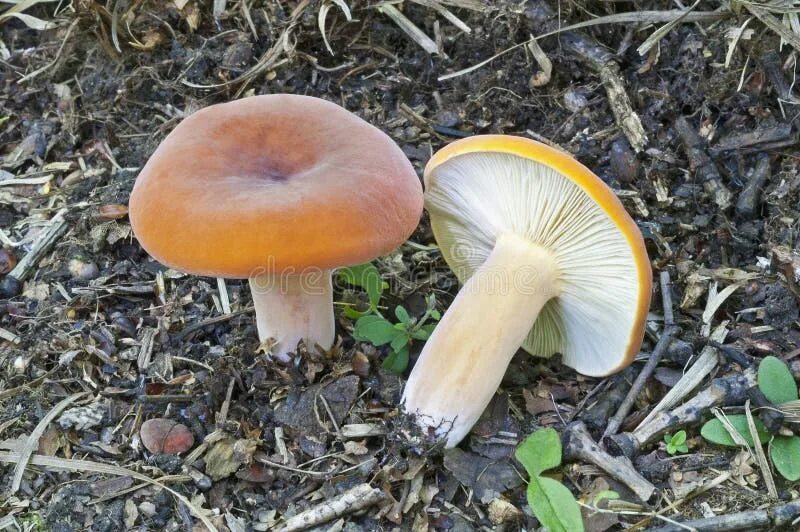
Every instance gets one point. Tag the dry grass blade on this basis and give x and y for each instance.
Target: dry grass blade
(410, 29)
(446, 13)
(35, 23)
(619, 18)
(791, 411)
(56, 58)
(735, 37)
(270, 57)
(774, 24)
(542, 77)
(33, 440)
(691, 378)
(663, 30)
(81, 466)
(472, 5)
(759, 452)
(734, 434)
(323, 15)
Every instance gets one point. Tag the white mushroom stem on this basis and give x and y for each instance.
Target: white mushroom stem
(290, 308)
(463, 362)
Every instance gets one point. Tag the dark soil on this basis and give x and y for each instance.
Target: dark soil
(115, 80)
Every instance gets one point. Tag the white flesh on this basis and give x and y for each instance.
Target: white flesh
(463, 362)
(291, 308)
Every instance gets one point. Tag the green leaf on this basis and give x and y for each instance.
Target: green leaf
(402, 314)
(714, 431)
(435, 315)
(397, 361)
(679, 438)
(775, 381)
(605, 495)
(375, 330)
(540, 451)
(420, 334)
(682, 448)
(367, 277)
(785, 454)
(352, 313)
(399, 342)
(554, 505)
(667, 438)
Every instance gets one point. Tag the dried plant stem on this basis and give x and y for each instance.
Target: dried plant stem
(666, 337)
(578, 445)
(353, 500)
(32, 442)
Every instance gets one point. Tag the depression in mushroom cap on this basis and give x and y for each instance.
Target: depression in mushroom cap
(550, 261)
(277, 189)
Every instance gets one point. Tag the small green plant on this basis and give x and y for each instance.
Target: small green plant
(552, 503)
(676, 443)
(368, 277)
(779, 387)
(377, 330)
(372, 327)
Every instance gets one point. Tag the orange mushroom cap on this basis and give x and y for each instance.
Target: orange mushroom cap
(274, 184)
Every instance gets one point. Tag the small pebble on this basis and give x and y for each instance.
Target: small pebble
(147, 509)
(165, 436)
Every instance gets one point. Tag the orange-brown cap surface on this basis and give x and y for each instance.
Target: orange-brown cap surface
(274, 184)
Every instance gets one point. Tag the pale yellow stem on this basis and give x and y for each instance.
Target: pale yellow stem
(463, 362)
(291, 308)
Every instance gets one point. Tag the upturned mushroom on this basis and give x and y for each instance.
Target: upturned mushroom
(550, 261)
(280, 190)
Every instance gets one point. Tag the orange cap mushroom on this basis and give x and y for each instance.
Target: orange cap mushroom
(279, 189)
(550, 261)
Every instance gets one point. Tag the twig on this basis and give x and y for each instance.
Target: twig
(750, 194)
(409, 28)
(728, 390)
(691, 378)
(702, 165)
(618, 18)
(771, 62)
(763, 464)
(12, 283)
(578, 445)
(777, 516)
(56, 58)
(146, 348)
(655, 357)
(189, 329)
(590, 52)
(353, 500)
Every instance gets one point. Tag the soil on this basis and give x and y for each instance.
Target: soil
(88, 101)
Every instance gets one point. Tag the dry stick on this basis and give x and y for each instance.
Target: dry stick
(702, 164)
(353, 500)
(777, 516)
(731, 390)
(12, 283)
(750, 194)
(596, 57)
(578, 445)
(655, 357)
(771, 63)
(211, 321)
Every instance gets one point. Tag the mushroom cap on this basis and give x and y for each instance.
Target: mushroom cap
(274, 184)
(483, 186)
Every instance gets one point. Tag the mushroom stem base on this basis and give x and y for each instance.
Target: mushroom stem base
(291, 308)
(465, 358)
